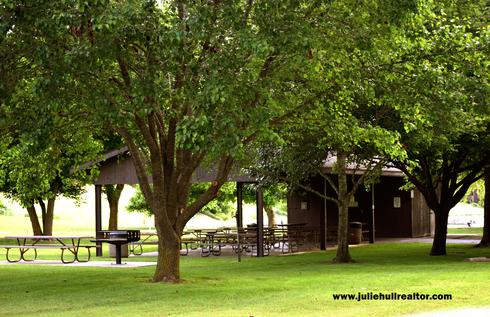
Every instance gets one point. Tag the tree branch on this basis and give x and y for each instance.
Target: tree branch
(330, 182)
(314, 191)
(224, 168)
(124, 71)
(139, 164)
(246, 12)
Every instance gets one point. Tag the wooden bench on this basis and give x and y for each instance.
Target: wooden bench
(23, 249)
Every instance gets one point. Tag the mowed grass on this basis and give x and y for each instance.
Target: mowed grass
(476, 230)
(298, 285)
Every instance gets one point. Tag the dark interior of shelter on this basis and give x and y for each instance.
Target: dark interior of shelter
(384, 210)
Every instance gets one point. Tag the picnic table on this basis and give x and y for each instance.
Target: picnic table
(27, 243)
(292, 235)
(146, 238)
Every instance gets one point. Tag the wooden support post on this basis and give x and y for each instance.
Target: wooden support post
(260, 223)
(98, 218)
(323, 220)
(239, 218)
(239, 206)
(371, 218)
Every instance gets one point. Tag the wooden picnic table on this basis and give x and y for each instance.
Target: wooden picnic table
(70, 243)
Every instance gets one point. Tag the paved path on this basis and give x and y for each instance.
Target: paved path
(86, 264)
(451, 239)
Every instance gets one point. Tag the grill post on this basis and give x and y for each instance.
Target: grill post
(98, 218)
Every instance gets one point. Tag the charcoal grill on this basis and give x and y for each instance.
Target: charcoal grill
(117, 238)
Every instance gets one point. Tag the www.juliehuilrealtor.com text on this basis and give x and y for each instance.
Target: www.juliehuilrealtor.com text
(391, 296)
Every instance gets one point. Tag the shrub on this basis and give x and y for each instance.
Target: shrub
(4, 210)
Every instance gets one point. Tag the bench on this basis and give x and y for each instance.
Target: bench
(189, 243)
(23, 249)
(135, 245)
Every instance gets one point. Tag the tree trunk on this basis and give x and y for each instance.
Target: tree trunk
(271, 218)
(36, 226)
(343, 255)
(168, 196)
(168, 262)
(113, 193)
(485, 240)
(440, 235)
(48, 218)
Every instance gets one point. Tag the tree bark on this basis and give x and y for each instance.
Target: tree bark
(36, 226)
(171, 171)
(168, 261)
(343, 255)
(485, 240)
(271, 217)
(113, 193)
(47, 213)
(440, 235)
(49, 217)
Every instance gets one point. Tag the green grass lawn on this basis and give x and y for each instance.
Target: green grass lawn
(476, 230)
(299, 285)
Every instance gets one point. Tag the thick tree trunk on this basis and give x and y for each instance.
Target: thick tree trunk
(169, 194)
(271, 218)
(440, 235)
(47, 215)
(48, 218)
(485, 240)
(113, 193)
(343, 255)
(168, 263)
(36, 226)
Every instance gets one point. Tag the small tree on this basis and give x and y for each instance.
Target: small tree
(111, 141)
(38, 175)
(40, 147)
(113, 193)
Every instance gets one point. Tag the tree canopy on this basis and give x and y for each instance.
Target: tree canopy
(184, 84)
(190, 84)
(442, 89)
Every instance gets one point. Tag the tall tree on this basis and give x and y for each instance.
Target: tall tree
(184, 83)
(347, 121)
(441, 88)
(485, 240)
